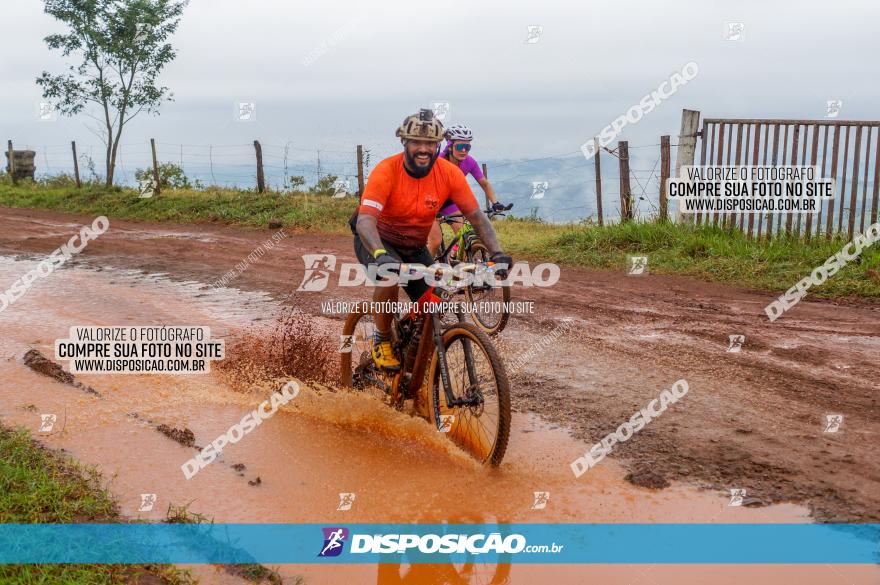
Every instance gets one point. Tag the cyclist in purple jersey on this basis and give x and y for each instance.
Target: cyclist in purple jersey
(458, 146)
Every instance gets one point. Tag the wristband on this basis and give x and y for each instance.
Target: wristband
(378, 252)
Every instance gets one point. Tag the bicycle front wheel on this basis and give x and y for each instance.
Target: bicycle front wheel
(481, 427)
(489, 315)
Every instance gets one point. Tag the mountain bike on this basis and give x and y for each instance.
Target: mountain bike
(465, 246)
(453, 374)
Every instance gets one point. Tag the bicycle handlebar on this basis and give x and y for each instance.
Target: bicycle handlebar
(491, 213)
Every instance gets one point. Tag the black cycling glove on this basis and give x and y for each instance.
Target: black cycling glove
(502, 258)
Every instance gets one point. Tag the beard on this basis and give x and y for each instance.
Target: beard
(417, 170)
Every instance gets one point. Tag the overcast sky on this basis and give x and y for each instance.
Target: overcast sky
(384, 60)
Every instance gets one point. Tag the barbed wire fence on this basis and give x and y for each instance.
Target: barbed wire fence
(555, 188)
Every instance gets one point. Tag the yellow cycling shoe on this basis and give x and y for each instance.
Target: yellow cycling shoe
(383, 355)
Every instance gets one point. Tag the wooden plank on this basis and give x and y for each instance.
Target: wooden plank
(755, 151)
(794, 160)
(865, 184)
(835, 151)
(822, 174)
(598, 181)
(857, 151)
(814, 154)
(876, 182)
(843, 181)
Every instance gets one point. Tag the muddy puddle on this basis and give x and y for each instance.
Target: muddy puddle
(294, 466)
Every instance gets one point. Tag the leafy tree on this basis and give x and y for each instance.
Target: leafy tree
(171, 176)
(325, 185)
(121, 48)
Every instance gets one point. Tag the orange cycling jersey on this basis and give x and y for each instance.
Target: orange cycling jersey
(406, 206)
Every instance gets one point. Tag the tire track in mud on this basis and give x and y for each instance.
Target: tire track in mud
(40, 364)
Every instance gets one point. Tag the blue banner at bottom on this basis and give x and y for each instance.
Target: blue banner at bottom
(441, 543)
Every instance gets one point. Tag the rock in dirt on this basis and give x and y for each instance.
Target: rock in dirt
(183, 436)
(43, 365)
(256, 482)
(648, 479)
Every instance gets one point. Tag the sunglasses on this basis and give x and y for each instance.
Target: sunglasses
(462, 147)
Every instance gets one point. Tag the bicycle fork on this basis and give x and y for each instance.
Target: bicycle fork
(472, 394)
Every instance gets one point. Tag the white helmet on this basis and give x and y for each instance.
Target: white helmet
(459, 132)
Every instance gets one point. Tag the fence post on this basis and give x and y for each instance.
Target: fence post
(687, 146)
(11, 164)
(360, 163)
(598, 181)
(75, 164)
(664, 175)
(829, 228)
(156, 186)
(625, 194)
(876, 181)
(261, 179)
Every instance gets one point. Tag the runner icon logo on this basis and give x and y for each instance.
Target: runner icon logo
(638, 265)
(147, 502)
(733, 30)
(334, 541)
(147, 188)
(534, 32)
(832, 108)
(736, 497)
(446, 421)
(341, 188)
(346, 499)
(47, 421)
(539, 188)
(318, 268)
(345, 343)
(833, 422)
(541, 499)
(441, 110)
(736, 342)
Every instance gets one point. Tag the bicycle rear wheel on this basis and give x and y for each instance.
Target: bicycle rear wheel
(476, 372)
(490, 320)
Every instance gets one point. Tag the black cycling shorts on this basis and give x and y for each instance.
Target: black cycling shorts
(414, 288)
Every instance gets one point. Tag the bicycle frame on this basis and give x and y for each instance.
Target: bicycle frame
(460, 237)
(432, 337)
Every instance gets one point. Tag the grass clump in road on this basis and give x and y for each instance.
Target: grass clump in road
(702, 251)
(40, 486)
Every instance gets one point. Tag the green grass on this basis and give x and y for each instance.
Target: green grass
(40, 486)
(298, 211)
(704, 252)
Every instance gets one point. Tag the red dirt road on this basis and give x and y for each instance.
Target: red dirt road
(753, 419)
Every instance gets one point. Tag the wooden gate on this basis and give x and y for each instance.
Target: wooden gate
(801, 142)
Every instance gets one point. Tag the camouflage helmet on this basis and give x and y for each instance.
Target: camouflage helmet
(421, 126)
